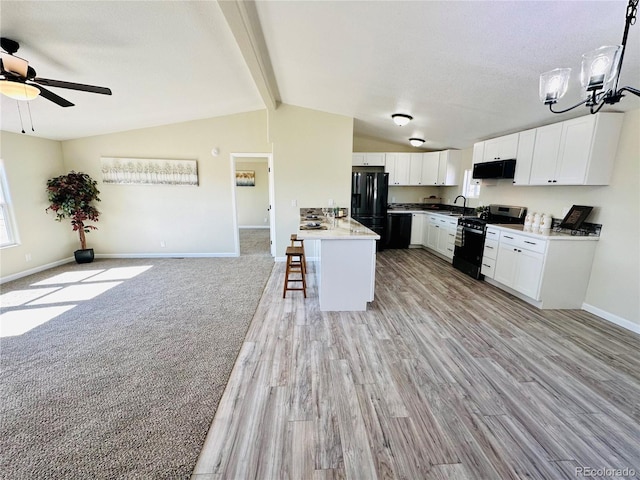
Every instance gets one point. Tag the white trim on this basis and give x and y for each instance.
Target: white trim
(39, 269)
(165, 255)
(254, 226)
(233, 157)
(610, 317)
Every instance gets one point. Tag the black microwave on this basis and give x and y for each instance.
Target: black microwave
(495, 169)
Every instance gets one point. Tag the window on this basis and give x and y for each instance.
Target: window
(7, 231)
(471, 186)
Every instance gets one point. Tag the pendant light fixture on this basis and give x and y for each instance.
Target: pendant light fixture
(401, 119)
(416, 142)
(599, 75)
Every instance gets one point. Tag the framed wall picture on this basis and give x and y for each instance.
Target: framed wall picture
(149, 171)
(245, 178)
(575, 217)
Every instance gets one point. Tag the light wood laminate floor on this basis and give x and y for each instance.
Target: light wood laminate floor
(444, 377)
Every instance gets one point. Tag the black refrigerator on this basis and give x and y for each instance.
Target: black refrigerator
(369, 201)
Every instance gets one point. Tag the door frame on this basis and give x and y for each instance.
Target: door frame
(234, 157)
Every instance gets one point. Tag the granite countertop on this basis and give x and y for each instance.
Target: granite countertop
(427, 208)
(548, 234)
(346, 229)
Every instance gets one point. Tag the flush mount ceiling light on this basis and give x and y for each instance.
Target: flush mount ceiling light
(18, 90)
(401, 119)
(416, 142)
(599, 76)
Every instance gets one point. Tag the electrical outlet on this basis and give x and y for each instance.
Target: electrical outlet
(331, 202)
(393, 199)
(163, 243)
(27, 257)
(265, 220)
(294, 203)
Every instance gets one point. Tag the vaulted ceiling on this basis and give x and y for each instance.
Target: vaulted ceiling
(466, 71)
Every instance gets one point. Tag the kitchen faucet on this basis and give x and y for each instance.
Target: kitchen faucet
(464, 203)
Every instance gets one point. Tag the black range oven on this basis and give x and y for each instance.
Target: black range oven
(469, 247)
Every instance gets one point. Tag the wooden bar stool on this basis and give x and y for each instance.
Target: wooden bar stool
(295, 266)
(300, 242)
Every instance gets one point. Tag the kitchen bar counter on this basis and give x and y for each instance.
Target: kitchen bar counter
(346, 265)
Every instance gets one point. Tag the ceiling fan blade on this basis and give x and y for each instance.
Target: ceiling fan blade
(73, 86)
(49, 95)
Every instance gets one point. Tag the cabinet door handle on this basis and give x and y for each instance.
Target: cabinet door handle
(507, 236)
(487, 246)
(515, 249)
(485, 265)
(555, 181)
(530, 243)
(548, 181)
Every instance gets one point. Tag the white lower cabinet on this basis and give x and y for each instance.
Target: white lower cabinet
(417, 226)
(432, 232)
(519, 269)
(551, 272)
(439, 234)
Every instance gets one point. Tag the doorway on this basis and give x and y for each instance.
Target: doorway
(253, 213)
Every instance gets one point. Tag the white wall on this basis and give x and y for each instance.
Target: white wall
(189, 220)
(253, 202)
(312, 164)
(29, 162)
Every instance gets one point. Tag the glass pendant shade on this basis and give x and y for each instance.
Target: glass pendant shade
(600, 68)
(416, 142)
(18, 90)
(553, 85)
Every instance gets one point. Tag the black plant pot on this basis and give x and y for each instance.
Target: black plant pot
(84, 256)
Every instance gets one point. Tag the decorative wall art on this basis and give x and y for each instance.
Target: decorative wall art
(149, 171)
(245, 178)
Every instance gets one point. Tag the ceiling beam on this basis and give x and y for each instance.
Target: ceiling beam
(242, 18)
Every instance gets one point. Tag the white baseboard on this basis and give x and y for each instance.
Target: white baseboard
(610, 317)
(31, 271)
(254, 226)
(165, 255)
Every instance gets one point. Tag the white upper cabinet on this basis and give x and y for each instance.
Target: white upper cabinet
(524, 157)
(397, 165)
(448, 167)
(501, 148)
(415, 169)
(430, 164)
(545, 154)
(369, 159)
(357, 159)
(478, 153)
(576, 152)
(420, 169)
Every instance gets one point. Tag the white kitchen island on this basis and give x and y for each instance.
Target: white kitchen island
(346, 267)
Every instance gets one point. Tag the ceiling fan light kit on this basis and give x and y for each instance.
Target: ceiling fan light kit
(416, 142)
(18, 91)
(401, 119)
(599, 74)
(19, 80)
